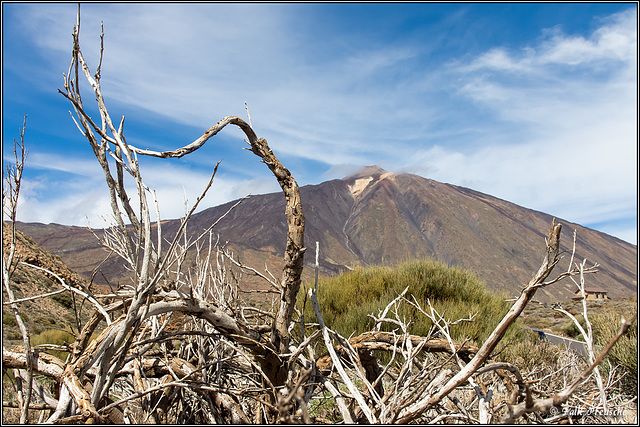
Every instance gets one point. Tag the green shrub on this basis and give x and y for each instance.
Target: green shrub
(347, 299)
(624, 354)
(8, 319)
(13, 335)
(530, 352)
(537, 322)
(570, 329)
(64, 299)
(54, 336)
(45, 321)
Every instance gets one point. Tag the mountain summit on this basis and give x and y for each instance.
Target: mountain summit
(380, 217)
(364, 177)
(366, 171)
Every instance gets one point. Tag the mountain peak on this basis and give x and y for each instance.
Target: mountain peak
(360, 180)
(366, 172)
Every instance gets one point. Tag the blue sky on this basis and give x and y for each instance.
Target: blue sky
(533, 103)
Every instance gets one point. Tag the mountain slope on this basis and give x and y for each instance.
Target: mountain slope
(378, 217)
(42, 313)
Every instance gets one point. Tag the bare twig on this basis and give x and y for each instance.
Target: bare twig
(91, 299)
(542, 405)
(10, 194)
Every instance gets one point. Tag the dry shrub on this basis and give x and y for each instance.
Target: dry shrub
(624, 355)
(348, 299)
(530, 352)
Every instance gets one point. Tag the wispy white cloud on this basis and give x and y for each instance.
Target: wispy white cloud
(576, 153)
(80, 195)
(193, 64)
(614, 40)
(62, 163)
(75, 202)
(551, 125)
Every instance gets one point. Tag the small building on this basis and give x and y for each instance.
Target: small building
(592, 294)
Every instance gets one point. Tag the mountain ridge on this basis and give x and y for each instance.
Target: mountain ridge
(379, 217)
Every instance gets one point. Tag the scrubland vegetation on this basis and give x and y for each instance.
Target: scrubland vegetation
(347, 300)
(623, 358)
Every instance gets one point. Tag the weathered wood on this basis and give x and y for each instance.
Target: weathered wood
(45, 363)
(378, 340)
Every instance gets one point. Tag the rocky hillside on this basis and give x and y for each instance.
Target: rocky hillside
(43, 313)
(379, 217)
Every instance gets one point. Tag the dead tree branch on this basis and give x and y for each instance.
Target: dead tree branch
(542, 405)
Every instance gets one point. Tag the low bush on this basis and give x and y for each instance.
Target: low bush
(570, 329)
(45, 320)
(64, 299)
(530, 352)
(347, 299)
(537, 322)
(54, 336)
(8, 319)
(13, 335)
(624, 354)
